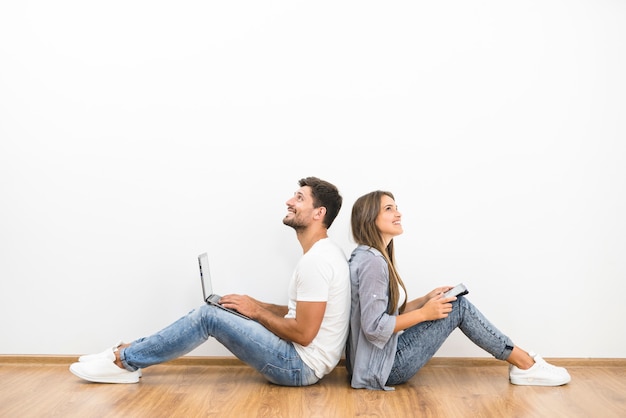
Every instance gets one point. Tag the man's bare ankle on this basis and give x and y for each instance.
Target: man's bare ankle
(118, 360)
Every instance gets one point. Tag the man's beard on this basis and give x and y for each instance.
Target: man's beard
(294, 223)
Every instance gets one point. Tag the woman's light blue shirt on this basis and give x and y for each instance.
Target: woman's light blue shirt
(371, 346)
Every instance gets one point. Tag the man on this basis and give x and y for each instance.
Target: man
(293, 345)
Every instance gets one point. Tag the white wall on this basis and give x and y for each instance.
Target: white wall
(135, 135)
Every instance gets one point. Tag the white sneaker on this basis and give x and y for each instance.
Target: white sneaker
(103, 371)
(106, 354)
(541, 373)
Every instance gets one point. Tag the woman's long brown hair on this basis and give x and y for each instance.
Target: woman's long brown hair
(364, 231)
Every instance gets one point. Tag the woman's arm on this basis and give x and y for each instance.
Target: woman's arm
(372, 276)
(436, 307)
(419, 302)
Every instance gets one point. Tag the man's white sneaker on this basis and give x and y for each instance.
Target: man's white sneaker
(103, 371)
(541, 373)
(106, 354)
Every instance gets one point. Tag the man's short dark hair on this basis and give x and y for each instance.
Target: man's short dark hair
(324, 194)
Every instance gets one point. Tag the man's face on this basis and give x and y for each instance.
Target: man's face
(299, 209)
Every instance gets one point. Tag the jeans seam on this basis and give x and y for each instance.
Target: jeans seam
(480, 319)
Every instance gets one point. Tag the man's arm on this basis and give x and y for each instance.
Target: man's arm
(280, 310)
(302, 329)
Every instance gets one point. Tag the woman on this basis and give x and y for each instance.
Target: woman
(391, 337)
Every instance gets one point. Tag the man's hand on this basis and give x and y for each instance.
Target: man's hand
(242, 303)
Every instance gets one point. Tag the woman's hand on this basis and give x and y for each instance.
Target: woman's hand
(437, 306)
(420, 302)
(429, 307)
(437, 291)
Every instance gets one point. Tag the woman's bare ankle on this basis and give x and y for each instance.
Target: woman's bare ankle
(520, 359)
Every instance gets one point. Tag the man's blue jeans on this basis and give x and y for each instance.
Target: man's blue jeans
(276, 359)
(417, 345)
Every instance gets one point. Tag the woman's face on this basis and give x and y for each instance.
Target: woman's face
(388, 220)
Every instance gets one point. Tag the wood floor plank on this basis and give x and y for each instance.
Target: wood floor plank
(453, 389)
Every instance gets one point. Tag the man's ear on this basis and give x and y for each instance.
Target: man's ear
(321, 212)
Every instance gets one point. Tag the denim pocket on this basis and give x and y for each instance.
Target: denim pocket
(280, 376)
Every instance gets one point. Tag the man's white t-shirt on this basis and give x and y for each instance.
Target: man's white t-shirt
(323, 275)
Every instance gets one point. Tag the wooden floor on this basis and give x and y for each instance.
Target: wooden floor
(192, 387)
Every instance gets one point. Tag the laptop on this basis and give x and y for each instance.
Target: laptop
(207, 288)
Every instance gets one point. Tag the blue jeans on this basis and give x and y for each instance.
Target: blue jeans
(276, 359)
(417, 345)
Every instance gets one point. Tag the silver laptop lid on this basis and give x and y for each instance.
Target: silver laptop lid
(205, 275)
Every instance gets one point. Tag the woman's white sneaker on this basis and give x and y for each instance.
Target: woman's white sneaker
(541, 373)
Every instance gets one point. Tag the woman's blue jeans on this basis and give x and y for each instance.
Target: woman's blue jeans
(276, 359)
(418, 344)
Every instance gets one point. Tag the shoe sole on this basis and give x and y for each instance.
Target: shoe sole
(522, 381)
(126, 379)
